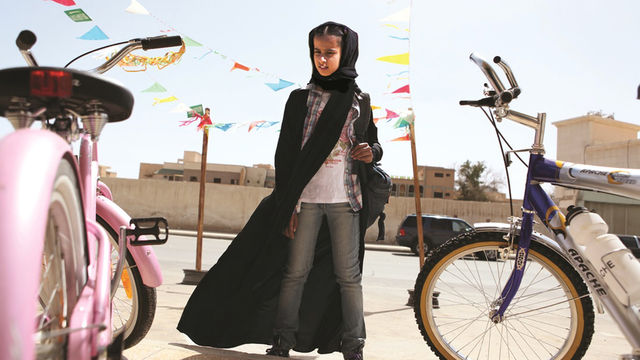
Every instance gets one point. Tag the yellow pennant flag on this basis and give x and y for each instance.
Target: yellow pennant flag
(165, 100)
(401, 59)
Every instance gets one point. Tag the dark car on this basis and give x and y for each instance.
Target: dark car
(436, 231)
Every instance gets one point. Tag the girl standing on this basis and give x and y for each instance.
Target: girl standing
(292, 277)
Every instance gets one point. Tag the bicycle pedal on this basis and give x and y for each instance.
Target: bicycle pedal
(152, 226)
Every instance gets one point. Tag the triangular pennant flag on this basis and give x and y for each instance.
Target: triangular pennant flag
(268, 124)
(182, 107)
(375, 120)
(137, 8)
(255, 124)
(391, 114)
(401, 59)
(404, 89)
(94, 34)
(373, 107)
(77, 15)
(280, 85)
(403, 15)
(156, 87)
(65, 2)
(396, 27)
(239, 66)
(402, 138)
(197, 109)
(165, 100)
(223, 127)
(190, 42)
(398, 37)
(402, 122)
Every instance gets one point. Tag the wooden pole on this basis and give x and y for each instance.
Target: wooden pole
(203, 180)
(416, 186)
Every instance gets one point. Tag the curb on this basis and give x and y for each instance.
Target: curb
(227, 236)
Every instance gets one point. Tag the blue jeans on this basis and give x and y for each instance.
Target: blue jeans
(345, 245)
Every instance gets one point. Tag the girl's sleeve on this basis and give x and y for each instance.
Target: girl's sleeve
(288, 141)
(372, 139)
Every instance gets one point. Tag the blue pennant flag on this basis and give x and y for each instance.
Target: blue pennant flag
(94, 34)
(223, 127)
(280, 85)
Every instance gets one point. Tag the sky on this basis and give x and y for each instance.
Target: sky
(569, 57)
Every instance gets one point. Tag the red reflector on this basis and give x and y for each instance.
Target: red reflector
(51, 83)
(401, 232)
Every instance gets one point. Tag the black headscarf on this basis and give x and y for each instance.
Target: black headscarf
(346, 72)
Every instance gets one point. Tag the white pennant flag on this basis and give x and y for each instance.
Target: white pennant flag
(137, 8)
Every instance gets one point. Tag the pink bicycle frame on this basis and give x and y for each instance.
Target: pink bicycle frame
(28, 164)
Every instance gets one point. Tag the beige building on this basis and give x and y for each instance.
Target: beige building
(189, 169)
(435, 182)
(598, 140)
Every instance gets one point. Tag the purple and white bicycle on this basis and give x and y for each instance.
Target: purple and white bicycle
(536, 299)
(77, 274)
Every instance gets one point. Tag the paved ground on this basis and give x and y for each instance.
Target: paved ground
(391, 329)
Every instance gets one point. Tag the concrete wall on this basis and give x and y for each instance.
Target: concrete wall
(228, 207)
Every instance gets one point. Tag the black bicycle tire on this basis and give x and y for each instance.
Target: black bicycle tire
(146, 296)
(581, 341)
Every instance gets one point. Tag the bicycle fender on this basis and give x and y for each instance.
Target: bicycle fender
(29, 160)
(535, 236)
(144, 256)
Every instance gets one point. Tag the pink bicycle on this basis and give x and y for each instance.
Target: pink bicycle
(77, 274)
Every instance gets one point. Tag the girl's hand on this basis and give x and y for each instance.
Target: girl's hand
(290, 230)
(362, 152)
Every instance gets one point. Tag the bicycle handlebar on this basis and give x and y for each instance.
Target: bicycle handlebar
(488, 71)
(502, 96)
(156, 42)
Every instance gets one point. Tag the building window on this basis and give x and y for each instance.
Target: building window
(437, 195)
(233, 181)
(170, 177)
(447, 194)
(411, 189)
(421, 189)
(438, 175)
(216, 180)
(193, 178)
(448, 175)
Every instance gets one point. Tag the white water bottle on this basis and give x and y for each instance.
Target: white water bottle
(610, 257)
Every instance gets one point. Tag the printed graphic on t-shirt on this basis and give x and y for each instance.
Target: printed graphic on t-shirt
(339, 152)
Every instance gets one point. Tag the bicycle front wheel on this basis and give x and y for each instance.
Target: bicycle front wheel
(550, 317)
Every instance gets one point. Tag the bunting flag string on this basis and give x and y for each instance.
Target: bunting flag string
(137, 8)
(398, 90)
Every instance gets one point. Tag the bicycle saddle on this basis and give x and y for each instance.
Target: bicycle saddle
(60, 91)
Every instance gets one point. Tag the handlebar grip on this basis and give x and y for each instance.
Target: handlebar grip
(488, 101)
(25, 40)
(160, 42)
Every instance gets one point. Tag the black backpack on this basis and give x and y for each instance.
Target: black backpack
(378, 191)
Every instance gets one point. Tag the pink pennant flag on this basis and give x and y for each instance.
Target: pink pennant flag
(187, 122)
(391, 114)
(65, 2)
(239, 66)
(404, 89)
(255, 124)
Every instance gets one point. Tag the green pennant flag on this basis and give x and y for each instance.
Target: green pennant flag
(190, 42)
(77, 15)
(197, 108)
(156, 87)
(402, 122)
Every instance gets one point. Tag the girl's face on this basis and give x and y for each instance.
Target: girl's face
(326, 54)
